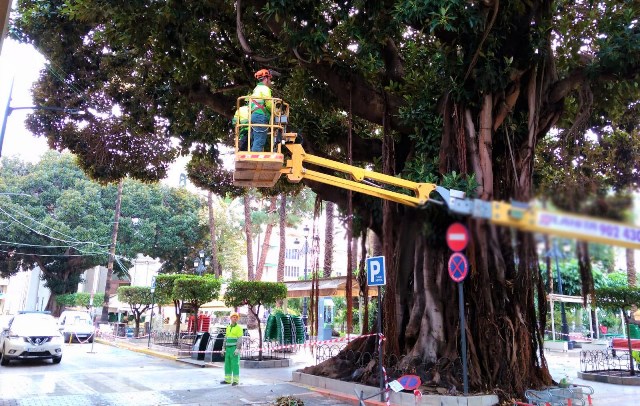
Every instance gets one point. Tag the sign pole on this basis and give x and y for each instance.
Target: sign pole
(377, 276)
(380, 343)
(463, 338)
(457, 239)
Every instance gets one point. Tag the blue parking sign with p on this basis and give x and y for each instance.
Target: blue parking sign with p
(376, 274)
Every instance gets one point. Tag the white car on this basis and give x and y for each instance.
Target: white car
(76, 326)
(31, 336)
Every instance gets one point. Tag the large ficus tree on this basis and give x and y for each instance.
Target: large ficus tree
(495, 91)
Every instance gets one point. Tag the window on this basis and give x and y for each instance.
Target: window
(291, 271)
(290, 253)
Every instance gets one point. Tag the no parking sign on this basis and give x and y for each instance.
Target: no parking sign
(458, 267)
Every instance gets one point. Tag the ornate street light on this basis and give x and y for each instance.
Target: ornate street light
(306, 251)
(201, 262)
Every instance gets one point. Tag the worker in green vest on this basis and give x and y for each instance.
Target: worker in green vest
(242, 118)
(232, 344)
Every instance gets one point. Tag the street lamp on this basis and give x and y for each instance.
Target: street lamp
(306, 251)
(8, 109)
(201, 262)
(555, 253)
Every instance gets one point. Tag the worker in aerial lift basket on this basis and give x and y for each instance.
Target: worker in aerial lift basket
(260, 105)
(242, 117)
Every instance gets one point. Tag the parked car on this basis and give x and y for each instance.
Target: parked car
(31, 336)
(76, 325)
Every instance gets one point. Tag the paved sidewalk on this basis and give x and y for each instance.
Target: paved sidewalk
(567, 364)
(561, 364)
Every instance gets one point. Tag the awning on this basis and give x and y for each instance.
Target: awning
(115, 306)
(327, 287)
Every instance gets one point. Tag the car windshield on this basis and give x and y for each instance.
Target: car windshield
(42, 322)
(78, 319)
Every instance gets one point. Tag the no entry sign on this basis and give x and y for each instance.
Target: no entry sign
(457, 237)
(458, 267)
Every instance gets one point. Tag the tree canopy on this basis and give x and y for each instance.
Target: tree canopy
(139, 299)
(254, 294)
(60, 220)
(503, 100)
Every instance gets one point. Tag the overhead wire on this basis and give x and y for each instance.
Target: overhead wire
(41, 233)
(52, 229)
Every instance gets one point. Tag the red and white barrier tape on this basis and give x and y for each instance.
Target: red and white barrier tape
(78, 338)
(387, 395)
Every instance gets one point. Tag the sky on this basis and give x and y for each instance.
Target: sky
(22, 63)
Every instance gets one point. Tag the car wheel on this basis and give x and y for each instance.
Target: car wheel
(90, 340)
(56, 360)
(3, 360)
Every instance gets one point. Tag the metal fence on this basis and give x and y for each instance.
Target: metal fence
(395, 366)
(609, 360)
(181, 340)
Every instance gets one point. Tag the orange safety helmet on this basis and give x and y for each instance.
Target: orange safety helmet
(263, 73)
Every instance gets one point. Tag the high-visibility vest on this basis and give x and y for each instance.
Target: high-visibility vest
(241, 116)
(232, 335)
(258, 104)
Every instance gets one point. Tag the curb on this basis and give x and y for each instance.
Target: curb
(137, 349)
(344, 396)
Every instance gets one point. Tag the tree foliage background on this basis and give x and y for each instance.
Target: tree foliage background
(62, 222)
(499, 99)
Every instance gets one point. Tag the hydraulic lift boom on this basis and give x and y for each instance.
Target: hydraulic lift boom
(263, 169)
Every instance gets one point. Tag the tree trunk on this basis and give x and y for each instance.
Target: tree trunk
(631, 267)
(177, 307)
(282, 214)
(328, 240)
(112, 255)
(249, 237)
(212, 235)
(362, 281)
(265, 242)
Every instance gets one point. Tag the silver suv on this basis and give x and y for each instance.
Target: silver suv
(76, 325)
(31, 336)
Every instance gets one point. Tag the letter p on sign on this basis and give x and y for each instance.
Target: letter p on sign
(376, 274)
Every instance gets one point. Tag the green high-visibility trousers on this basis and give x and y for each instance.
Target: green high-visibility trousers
(231, 365)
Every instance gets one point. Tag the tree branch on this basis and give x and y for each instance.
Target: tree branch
(242, 39)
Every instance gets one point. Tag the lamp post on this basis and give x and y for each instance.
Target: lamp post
(201, 262)
(306, 251)
(555, 253)
(9, 109)
(153, 292)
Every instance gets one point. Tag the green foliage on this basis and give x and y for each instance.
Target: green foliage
(134, 295)
(196, 290)
(65, 222)
(80, 299)
(254, 293)
(617, 298)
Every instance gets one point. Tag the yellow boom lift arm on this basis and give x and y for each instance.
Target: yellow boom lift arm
(264, 168)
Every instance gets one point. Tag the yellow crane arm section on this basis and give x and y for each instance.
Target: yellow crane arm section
(519, 215)
(362, 180)
(526, 217)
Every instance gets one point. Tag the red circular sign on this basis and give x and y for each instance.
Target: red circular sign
(457, 237)
(458, 267)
